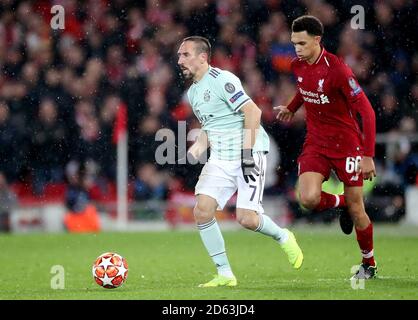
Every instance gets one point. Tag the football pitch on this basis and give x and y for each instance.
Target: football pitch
(169, 266)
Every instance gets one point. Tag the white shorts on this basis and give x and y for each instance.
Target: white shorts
(220, 179)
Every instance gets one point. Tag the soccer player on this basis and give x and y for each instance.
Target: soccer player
(238, 145)
(333, 98)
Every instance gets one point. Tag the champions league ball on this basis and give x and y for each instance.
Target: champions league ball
(110, 270)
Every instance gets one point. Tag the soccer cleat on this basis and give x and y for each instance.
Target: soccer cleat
(220, 281)
(346, 223)
(366, 271)
(293, 251)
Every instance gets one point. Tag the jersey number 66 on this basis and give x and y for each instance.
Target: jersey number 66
(352, 164)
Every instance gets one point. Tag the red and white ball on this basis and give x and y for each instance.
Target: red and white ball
(110, 270)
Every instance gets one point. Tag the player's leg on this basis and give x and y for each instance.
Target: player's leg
(259, 222)
(314, 169)
(309, 188)
(213, 191)
(210, 233)
(262, 223)
(312, 197)
(346, 170)
(250, 213)
(364, 230)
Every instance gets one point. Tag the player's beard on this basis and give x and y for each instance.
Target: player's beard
(187, 75)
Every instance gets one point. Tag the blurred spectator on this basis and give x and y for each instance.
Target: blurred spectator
(59, 88)
(49, 146)
(143, 144)
(273, 163)
(11, 150)
(388, 114)
(8, 200)
(403, 154)
(294, 132)
(149, 184)
(108, 110)
(115, 65)
(77, 196)
(82, 215)
(282, 50)
(89, 143)
(137, 26)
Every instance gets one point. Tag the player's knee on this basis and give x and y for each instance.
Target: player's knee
(202, 214)
(310, 200)
(248, 221)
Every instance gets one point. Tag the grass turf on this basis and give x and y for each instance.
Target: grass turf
(170, 265)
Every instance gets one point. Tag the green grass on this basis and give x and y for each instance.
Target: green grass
(169, 265)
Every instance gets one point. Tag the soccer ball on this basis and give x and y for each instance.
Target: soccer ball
(110, 270)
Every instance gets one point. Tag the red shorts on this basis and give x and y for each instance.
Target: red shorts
(344, 168)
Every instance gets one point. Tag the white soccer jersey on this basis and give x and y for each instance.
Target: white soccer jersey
(216, 101)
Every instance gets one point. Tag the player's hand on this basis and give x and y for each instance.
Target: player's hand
(366, 166)
(284, 113)
(249, 169)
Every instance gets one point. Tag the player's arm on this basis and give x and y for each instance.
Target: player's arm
(236, 98)
(360, 104)
(200, 146)
(252, 119)
(367, 115)
(286, 112)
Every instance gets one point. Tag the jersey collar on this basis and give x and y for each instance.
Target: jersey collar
(320, 56)
(204, 76)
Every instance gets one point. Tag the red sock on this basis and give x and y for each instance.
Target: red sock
(329, 201)
(365, 241)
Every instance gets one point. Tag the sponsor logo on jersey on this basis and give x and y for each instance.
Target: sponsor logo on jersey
(314, 97)
(324, 99)
(354, 85)
(236, 96)
(206, 95)
(320, 85)
(229, 87)
(309, 93)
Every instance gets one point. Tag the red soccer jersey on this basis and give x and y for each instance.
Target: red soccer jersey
(332, 98)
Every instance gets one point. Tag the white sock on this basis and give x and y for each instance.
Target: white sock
(214, 242)
(269, 228)
(226, 273)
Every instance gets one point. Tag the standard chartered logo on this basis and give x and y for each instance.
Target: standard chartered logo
(324, 99)
(314, 97)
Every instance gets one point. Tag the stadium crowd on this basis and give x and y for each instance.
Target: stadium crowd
(60, 89)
